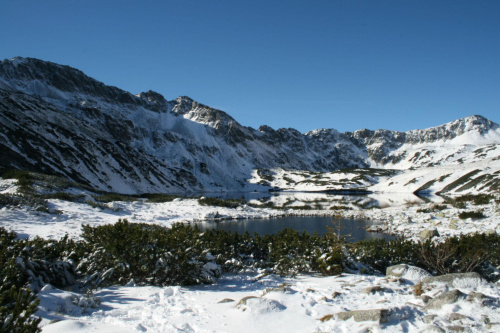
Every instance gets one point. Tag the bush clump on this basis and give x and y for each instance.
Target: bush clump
(158, 197)
(471, 214)
(24, 178)
(18, 303)
(228, 203)
(18, 200)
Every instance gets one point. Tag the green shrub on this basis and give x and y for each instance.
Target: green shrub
(17, 303)
(229, 203)
(471, 214)
(483, 199)
(340, 208)
(459, 254)
(158, 197)
(147, 254)
(459, 204)
(476, 199)
(110, 197)
(433, 208)
(64, 196)
(24, 178)
(18, 200)
(17, 307)
(380, 254)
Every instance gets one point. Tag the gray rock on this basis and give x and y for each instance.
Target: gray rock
(373, 290)
(445, 298)
(455, 279)
(433, 329)
(407, 272)
(457, 316)
(493, 326)
(396, 270)
(456, 328)
(378, 315)
(429, 318)
(428, 234)
(425, 298)
(226, 300)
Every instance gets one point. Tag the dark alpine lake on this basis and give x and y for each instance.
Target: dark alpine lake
(353, 230)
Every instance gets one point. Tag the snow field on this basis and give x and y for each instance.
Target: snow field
(256, 303)
(253, 301)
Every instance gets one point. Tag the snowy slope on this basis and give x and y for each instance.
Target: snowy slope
(54, 119)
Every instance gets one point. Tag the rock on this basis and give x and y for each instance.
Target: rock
(492, 326)
(433, 329)
(396, 270)
(457, 316)
(425, 298)
(456, 328)
(428, 234)
(373, 290)
(226, 300)
(456, 280)
(449, 297)
(245, 299)
(480, 298)
(429, 318)
(378, 315)
(336, 294)
(407, 272)
(260, 305)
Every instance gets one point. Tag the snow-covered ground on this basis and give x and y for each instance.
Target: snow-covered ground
(254, 302)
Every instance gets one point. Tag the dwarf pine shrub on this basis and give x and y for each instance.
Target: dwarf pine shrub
(18, 304)
(380, 254)
(471, 214)
(229, 203)
(148, 254)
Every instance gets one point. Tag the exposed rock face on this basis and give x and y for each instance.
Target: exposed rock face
(55, 119)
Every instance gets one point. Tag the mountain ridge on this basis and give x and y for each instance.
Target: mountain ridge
(75, 126)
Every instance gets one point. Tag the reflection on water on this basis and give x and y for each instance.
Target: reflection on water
(314, 200)
(353, 230)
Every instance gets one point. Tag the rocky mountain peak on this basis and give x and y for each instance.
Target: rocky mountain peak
(113, 140)
(154, 101)
(48, 79)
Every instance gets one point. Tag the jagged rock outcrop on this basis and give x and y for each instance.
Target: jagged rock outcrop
(55, 119)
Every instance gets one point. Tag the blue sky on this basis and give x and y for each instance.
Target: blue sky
(346, 65)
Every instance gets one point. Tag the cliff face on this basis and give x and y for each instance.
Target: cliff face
(55, 119)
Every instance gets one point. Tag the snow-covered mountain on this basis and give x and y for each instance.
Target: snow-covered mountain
(57, 120)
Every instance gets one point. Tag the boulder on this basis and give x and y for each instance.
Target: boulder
(428, 234)
(378, 315)
(374, 289)
(407, 272)
(457, 280)
(442, 299)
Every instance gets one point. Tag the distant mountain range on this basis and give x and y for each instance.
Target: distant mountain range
(57, 120)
